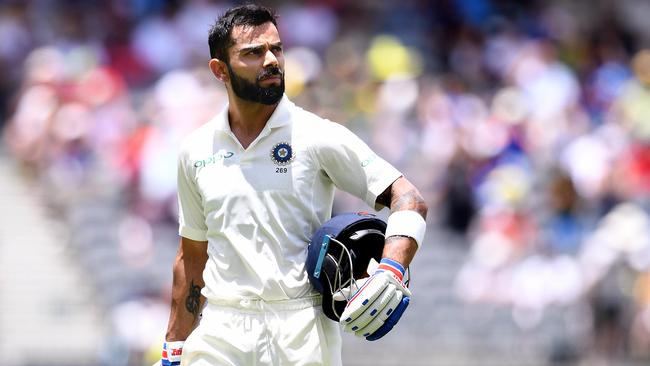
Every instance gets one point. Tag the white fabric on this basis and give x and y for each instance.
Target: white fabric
(258, 216)
(406, 223)
(255, 333)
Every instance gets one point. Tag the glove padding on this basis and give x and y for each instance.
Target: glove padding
(378, 304)
(171, 354)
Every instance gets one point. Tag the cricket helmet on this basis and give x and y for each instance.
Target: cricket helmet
(339, 253)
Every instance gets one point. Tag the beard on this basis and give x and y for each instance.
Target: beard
(254, 92)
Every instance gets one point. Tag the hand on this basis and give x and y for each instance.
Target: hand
(171, 353)
(378, 304)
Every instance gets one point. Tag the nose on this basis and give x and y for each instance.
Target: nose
(270, 59)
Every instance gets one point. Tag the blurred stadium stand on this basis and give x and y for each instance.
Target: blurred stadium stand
(48, 309)
(526, 124)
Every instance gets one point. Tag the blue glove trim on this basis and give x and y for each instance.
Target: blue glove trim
(393, 263)
(391, 321)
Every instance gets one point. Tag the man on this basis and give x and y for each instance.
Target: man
(254, 183)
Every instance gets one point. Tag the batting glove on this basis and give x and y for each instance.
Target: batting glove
(379, 303)
(171, 353)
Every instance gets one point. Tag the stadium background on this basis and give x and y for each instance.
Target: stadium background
(526, 124)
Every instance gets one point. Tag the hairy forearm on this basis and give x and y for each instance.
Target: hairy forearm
(402, 195)
(187, 300)
(400, 249)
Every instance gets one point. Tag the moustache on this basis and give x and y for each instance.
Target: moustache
(270, 72)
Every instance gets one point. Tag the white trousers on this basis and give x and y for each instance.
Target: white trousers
(255, 333)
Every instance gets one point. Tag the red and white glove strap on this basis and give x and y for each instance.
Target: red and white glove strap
(393, 267)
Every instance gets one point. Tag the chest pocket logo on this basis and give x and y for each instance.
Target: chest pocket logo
(282, 154)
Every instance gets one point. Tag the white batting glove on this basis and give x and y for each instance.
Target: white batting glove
(378, 304)
(171, 354)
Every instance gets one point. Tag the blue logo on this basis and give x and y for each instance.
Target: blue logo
(282, 153)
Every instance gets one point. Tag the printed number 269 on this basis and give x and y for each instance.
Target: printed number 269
(281, 170)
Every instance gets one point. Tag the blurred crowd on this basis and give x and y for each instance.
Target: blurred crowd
(526, 124)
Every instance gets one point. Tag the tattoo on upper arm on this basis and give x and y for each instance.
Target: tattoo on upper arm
(409, 200)
(402, 195)
(193, 301)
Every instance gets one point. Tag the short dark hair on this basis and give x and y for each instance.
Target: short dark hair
(220, 39)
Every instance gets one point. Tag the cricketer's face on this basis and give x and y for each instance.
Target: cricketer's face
(256, 66)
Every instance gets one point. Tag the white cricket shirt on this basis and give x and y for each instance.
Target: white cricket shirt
(258, 207)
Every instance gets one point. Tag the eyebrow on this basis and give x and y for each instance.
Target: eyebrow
(257, 47)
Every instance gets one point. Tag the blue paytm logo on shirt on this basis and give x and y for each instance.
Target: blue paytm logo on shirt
(219, 155)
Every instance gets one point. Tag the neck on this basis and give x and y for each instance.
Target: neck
(247, 119)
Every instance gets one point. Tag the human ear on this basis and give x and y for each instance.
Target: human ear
(219, 70)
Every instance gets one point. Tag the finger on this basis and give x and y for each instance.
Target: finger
(372, 310)
(379, 320)
(372, 266)
(364, 297)
(405, 290)
(345, 293)
(397, 282)
(391, 321)
(342, 294)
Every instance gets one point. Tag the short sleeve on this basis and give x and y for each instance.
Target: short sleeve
(191, 217)
(352, 165)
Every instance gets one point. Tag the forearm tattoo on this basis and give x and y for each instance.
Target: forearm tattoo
(396, 238)
(193, 301)
(398, 197)
(409, 200)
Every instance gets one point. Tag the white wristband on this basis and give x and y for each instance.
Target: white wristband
(406, 223)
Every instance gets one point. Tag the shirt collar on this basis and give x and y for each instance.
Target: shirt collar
(281, 116)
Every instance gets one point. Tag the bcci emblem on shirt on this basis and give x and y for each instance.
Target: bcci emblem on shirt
(282, 154)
